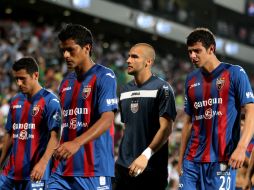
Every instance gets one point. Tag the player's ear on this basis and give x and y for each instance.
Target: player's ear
(36, 75)
(87, 47)
(212, 48)
(149, 62)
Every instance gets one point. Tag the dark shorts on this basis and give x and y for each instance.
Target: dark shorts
(7, 184)
(58, 182)
(148, 180)
(208, 176)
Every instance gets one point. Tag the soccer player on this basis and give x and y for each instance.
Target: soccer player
(32, 127)
(211, 147)
(88, 100)
(147, 106)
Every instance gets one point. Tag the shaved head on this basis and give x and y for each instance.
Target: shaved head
(148, 50)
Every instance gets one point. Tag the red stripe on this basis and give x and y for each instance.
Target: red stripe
(112, 133)
(222, 121)
(72, 134)
(207, 83)
(19, 158)
(195, 140)
(89, 152)
(35, 141)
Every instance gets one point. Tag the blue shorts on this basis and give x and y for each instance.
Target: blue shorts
(239, 188)
(58, 182)
(8, 183)
(207, 176)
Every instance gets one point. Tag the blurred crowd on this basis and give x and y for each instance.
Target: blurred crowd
(18, 39)
(182, 11)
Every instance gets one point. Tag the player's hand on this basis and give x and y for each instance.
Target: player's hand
(237, 158)
(179, 169)
(138, 166)
(66, 150)
(38, 171)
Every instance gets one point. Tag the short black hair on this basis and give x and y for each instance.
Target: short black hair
(27, 63)
(80, 34)
(203, 35)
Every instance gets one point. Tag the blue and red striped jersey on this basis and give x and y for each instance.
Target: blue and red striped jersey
(29, 123)
(214, 101)
(83, 100)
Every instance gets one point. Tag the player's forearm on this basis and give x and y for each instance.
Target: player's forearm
(7, 142)
(161, 137)
(52, 145)
(248, 127)
(184, 140)
(102, 125)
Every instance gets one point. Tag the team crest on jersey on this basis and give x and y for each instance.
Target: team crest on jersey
(36, 110)
(220, 83)
(86, 92)
(134, 107)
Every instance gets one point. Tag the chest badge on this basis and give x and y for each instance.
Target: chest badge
(86, 91)
(134, 106)
(220, 83)
(36, 110)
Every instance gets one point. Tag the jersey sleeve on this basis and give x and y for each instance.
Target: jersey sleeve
(167, 101)
(242, 86)
(8, 125)
(187, 104)
(53, 114)
(107, 98)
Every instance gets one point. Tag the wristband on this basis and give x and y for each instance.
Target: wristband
(148, 152)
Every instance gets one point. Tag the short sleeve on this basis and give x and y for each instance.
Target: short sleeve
(167, 101)
(53, 114)
(107, 98)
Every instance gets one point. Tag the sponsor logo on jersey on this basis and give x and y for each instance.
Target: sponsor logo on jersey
(220, 83)
(110, 75)
(36, 110)
(166, 90)
(57, 116)
(135, 93)
(249, 95)
(76, 111)
(86, 91)
(134, 107)
(56, 100)
(74, 124)
(16, 106)
(209, 114)
(111, 101)
(66, 89)
(194, 85)
(23, 135)
(24, 126)
(209, 102)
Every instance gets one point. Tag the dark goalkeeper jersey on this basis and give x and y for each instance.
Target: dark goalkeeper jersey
(141, 107)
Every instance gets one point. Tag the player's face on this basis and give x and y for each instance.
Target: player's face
(136, 60)
(198, 54)
(25, 81)
(72, 53)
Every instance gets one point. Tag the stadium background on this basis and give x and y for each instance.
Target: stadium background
(29, 27)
